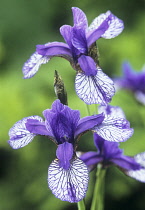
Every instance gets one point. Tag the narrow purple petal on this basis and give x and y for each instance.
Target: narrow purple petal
(19, 135)
(68, 185)
(98, 89)
(138, 174)
(116, 25)
(91, 158)
(94, 35)
(116, 130)
(33, 64)
(52, 49)
(88, 123)
(79, 18)
(126, 162)
(79, 40)
(64, 154)
(66, 32)
(36, 127)
(87, 65)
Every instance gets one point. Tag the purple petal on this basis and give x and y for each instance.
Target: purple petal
(126, 162)
(138, 174)
(94, 35)
(79, 18)
(98, 89)
(62, 121)
(64, 154)
(33, 64)
(66, 32)
(79, 40)
(19, 135)
(114, 111)
(88, 123)
(116, 130)
(37, 127)
(91, 158)
(87, 65)
(68, 185)
(116, 25)
(55, 49)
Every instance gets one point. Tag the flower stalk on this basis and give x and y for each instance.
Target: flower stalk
(81, 205)
(98, 196)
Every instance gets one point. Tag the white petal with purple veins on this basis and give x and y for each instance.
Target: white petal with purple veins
(33, 64)
(113, 111)
(116, 25)
(68, 185)
(115, 130)
(19, 135)
(138, 174)
(98, 89)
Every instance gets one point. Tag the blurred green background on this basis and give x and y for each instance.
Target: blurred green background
(23, 172)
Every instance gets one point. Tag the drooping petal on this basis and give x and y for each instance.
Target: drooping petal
(33, 64)
(98, 89)
(64, 154)
(79, 18)
(19, 135)
(87, 65)
(116, 25)
(88, 123)
(114, 129)
(57, 49)
(138, 174)
(68, 185)
(114, 111)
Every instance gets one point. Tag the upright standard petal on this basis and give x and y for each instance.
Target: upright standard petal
(62, 121)
(68, 185)
(114, 129)
(33, 64)
(19, 135)
(138, 174)
(79, 18)
(115, 25)
(98, 89)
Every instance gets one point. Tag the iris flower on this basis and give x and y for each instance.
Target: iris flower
(133, 81)
(109, 153)
(91, 84)
(67, 174)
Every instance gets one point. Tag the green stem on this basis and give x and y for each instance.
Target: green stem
(81, 205)
(98, 196)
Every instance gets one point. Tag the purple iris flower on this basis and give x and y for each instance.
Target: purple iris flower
(67, 174)
(109, 153)
(133, 81)
(91, 84)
